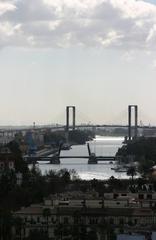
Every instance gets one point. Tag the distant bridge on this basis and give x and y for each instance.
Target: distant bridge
(11, 131)
(56, 159)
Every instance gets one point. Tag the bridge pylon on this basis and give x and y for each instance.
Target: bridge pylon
(92, 157)
(55, 159)
(73, 108)
(130, 107)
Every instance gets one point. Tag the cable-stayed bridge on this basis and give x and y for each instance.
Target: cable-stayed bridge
(68, 126)
(129, 128)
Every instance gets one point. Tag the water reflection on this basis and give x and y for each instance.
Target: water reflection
(106, 146)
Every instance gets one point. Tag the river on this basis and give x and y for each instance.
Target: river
(106, 146)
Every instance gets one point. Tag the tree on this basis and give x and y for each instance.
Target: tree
(7, 182)
(131, 172)
(145, 166)
(73, 174)
(144, 149)
(20, 164)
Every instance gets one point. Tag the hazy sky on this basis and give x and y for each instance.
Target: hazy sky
(99, 55)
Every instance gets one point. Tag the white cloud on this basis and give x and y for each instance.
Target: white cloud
(111, 38)
(6, 6)
(127, 24)
(128, 56)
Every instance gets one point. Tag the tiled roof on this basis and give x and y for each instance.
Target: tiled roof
(38, 209)
(33, 210)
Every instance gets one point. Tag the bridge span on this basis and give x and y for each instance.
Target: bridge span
(56, 159)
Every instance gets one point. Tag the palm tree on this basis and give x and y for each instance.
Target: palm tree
(132, 172)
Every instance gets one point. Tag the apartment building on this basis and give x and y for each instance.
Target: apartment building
(103, 214)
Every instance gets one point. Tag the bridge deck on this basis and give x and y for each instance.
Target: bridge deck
(98, 158)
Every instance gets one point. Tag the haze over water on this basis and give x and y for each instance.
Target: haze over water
(102, 146)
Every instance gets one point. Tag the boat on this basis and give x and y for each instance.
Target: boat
(114, 168)
(66, 146)
(119, 169)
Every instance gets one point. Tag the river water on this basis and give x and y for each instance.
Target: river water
(102, 146)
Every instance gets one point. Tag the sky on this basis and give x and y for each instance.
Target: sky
(98, 55)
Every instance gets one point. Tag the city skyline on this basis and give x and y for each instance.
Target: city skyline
(98, 56)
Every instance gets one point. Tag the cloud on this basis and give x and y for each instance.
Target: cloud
(6, 7)
(126, 24)
(128, 56)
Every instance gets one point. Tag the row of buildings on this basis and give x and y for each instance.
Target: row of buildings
(111, 217)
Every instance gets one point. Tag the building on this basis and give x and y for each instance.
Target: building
(108, 215)
(130, 237)
(6, 159)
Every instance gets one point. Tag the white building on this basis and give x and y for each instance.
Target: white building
(130, 237)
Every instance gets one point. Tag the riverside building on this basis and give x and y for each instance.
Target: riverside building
(65, 214)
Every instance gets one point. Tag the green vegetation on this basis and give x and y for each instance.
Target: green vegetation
(20, 165)
(144, 152)
(34, 188)
(75, 137)
(131, 172)
(54, 138)
(80, 137)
